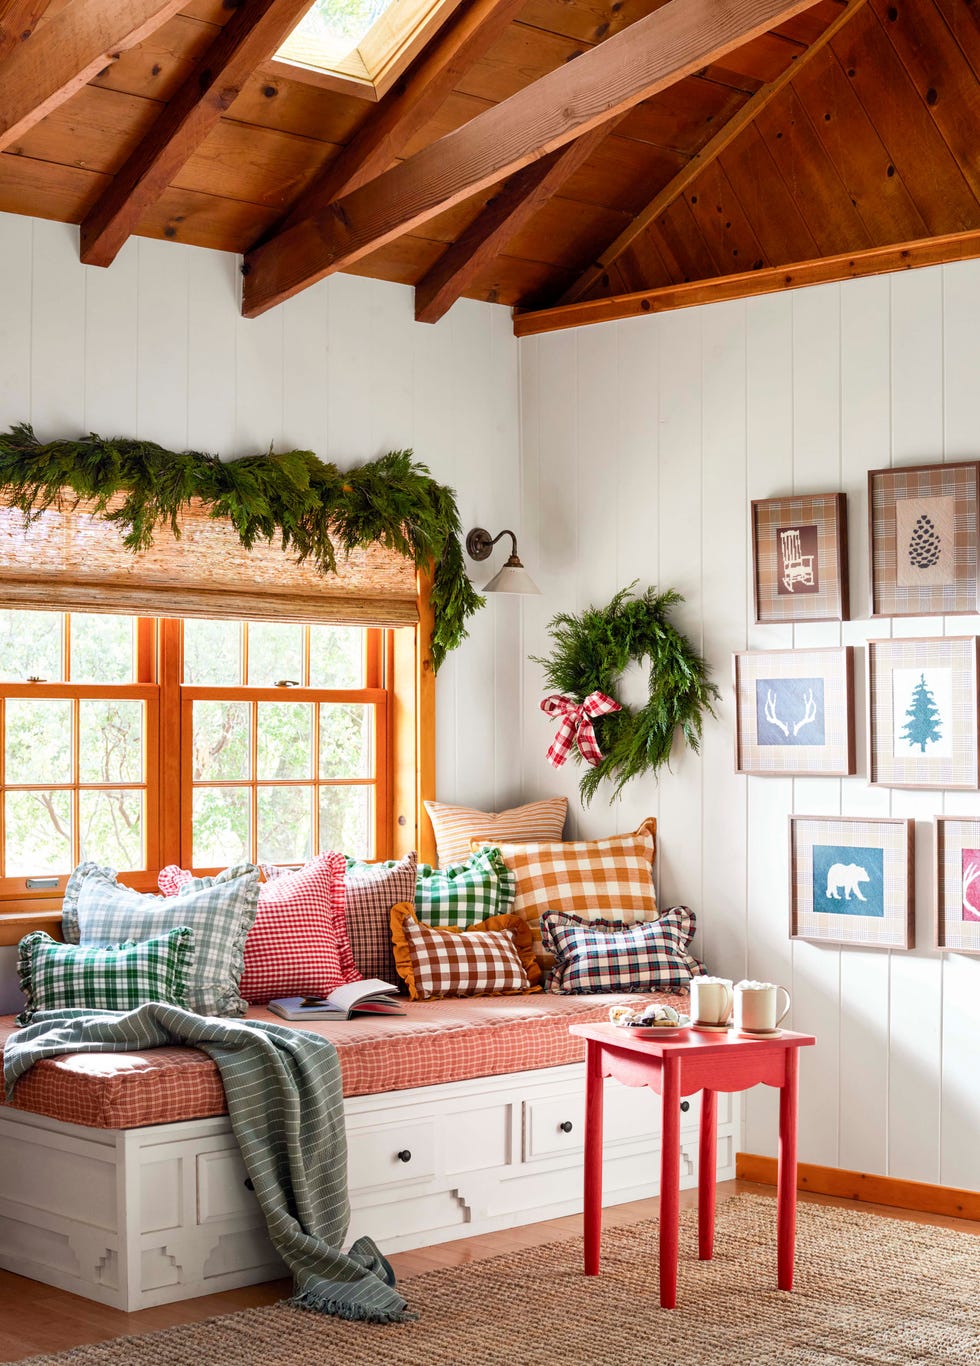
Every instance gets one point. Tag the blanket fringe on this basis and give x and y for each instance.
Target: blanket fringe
(344, 1309)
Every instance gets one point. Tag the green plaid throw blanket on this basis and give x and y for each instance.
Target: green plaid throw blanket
(286, 1109)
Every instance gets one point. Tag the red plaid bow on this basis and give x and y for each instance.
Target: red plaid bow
(576, 726)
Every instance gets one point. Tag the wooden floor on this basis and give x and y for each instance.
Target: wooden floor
(35, 1318)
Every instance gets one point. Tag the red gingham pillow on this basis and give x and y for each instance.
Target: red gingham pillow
(298, 945)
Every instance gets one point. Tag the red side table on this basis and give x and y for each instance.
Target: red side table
(695, 1062)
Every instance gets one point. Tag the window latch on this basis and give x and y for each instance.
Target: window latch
(287, 683)
(36, 884)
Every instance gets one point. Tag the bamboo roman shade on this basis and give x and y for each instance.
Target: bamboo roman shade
(70, 559)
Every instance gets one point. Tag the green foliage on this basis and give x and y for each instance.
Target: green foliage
(312, 505)
(591, 652)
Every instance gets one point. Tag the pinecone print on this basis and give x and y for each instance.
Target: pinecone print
(925, 544)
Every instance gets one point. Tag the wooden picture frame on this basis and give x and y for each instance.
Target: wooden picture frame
(794, 712)
(957, 846)
(922, 712)
(799, 558)
(852, 881)
(922, 540)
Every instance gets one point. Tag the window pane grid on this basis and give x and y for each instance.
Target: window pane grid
(46, 824)
(286, 731)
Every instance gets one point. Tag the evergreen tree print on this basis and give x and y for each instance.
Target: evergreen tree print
(923, 721)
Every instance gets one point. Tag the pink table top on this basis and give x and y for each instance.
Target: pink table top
(693, 1042)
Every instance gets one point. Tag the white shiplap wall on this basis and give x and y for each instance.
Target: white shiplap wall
(155, 347)
(643, 444)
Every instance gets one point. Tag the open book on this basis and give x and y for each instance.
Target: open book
(356, 998)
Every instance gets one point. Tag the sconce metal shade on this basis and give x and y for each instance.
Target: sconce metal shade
(513, 577)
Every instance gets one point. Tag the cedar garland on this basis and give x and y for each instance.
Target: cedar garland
(314, 506)
(592, 650)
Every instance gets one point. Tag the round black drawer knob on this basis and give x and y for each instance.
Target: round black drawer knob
(566, 1126)
(248, 1184)
(405, 1155)
(685, 1106)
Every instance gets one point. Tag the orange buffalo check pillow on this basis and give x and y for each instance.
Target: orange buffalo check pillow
(610, 879)
(456, 827)
(493, 957)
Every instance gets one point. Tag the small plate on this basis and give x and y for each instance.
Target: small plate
(655, 1032)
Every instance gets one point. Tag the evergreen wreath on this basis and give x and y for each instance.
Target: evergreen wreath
(591, 652)
(313, 505)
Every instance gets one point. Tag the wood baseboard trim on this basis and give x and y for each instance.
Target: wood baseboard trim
(869, 1189)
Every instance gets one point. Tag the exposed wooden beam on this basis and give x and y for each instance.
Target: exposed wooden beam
(930, 251)
(709, 153)
(408, 107)
(517, 201)
(253, 33)
(606, 81)
(78, 42)
(18, 19)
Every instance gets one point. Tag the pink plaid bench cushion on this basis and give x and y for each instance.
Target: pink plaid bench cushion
(436, 1042)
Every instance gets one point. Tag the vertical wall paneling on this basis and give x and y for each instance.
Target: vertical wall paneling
(162, 294)
(800, 392)
(722, 906)
(156, 347)
(57, 337)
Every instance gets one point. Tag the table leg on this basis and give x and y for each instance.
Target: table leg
(707, 1168)
(670, 1179)
(786, 1188)
(593, 1157)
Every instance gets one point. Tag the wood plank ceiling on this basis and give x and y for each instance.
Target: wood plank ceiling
(577, 159)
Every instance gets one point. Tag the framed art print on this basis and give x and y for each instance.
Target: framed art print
(793, 712)
(851, 881)
(958, 883)
(923, 539)
(799, 556)
(922, 708)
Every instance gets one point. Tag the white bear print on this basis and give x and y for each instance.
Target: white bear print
(846, 876)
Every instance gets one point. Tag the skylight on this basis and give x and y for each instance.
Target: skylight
(333, 28)
(362, 45)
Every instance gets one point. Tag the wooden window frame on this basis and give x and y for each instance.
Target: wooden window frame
(400, 668)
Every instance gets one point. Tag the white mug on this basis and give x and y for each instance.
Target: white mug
(756, 1007)
(711, 1000)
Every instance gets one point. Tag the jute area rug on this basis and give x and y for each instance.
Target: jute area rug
(868, 1290)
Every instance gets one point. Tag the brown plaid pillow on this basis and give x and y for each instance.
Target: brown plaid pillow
(491, 958)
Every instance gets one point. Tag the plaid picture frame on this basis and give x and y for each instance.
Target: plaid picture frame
(799, 556)
(957, 847)
(469, 892)
(794, 711)
(922, 709)
(947, 496)
(606, 955)
(98, 911)
(852, 881)
(56, 976)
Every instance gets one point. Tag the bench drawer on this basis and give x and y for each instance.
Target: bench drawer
(391, 1154)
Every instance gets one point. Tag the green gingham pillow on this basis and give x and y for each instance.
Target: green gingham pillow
(97, 910)
(57, 976)
(468, 892)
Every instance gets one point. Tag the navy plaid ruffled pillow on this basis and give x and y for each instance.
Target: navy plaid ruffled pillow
(607, 955)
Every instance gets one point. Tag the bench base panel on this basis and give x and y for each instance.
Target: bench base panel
(140, 1217)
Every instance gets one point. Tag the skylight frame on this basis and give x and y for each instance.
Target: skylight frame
(393, 41)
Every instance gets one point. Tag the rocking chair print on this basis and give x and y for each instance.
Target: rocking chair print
(797, 567)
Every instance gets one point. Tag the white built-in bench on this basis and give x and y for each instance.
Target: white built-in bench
(159, 1211)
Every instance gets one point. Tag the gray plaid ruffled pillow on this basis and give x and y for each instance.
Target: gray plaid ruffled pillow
(57, 976)
(99, 911)
(608, 955)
